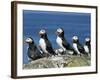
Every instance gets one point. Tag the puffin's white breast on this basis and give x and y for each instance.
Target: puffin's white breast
(42, 44)
(76, 48)
(59, 42)
(86, 48)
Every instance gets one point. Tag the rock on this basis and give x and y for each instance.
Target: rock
(59, 62)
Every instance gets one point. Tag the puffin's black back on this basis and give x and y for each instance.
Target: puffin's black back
(64, 41)
(49, 47)
(66, 44)
(33, 52)
(48, 44)
(80, 48)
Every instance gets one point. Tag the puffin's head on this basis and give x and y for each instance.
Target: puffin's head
(87, 39)
(42, 32)
(60, 32)
(75, 39)
(29, 40)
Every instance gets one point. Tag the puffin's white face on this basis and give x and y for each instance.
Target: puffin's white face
(59, 30)
(75, 38)
(42, 31)
(28, 40)
(87, 39)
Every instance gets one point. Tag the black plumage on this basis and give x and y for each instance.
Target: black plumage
(80, 48)
(49, 50)
(66, 44)
(49, 47)
(61, 41)
(33, 52)
(79, 45)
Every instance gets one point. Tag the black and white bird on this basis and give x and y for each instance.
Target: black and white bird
(77, 46)
(87, 46)
(62, 42)
(45, 44)
(33, 52)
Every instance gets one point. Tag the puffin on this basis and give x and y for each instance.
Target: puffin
(45, 45)
(33, 52)
(77, 45)
(87, 45)
(62, 42)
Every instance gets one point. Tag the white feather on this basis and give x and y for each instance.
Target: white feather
(59, 42)
(60, 50)
(42, 45)
(86, 49)
(87, 39)
(59, 30)
(75, 38)
(76, 48)
(28, 40)
(42, 31)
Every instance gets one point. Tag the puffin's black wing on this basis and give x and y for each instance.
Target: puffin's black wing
(31, 54)
(34, 53)
(49, 47)
(66, 44)
(89, 46)
(80, 47)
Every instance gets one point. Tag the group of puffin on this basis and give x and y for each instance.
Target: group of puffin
(45, 48)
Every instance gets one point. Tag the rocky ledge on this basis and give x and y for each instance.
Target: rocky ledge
(59, 61)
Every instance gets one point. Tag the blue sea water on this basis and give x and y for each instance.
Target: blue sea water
(72, 23)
